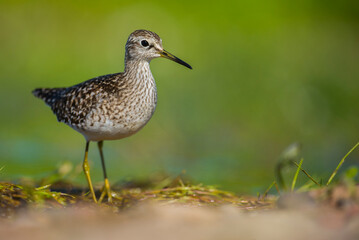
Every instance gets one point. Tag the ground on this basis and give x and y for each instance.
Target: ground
(179, 212)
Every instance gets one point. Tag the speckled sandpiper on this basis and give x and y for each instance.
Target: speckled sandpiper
(112, 106)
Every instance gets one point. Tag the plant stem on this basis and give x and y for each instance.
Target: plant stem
(341, 163)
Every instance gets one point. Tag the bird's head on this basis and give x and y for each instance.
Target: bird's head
(147, 45)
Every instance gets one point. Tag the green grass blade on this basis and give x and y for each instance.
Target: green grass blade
(341, 163)
(306, 187)
(296, 174)
(269, 188)
(307, 174)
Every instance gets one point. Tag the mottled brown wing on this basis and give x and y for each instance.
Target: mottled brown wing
(71, 105)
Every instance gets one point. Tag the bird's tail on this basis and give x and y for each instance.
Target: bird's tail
(48, 95)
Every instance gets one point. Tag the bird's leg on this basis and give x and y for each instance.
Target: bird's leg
(106, 188)
(86, 168)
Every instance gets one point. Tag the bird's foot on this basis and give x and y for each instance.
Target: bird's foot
(106, 191)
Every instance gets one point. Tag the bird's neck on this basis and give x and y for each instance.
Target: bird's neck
(136, 65)
(138, 71)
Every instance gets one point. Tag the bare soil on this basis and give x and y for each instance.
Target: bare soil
(182, 212)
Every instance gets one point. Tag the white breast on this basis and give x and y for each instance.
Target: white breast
(120, 118)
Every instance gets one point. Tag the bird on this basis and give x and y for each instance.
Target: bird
(112, 106)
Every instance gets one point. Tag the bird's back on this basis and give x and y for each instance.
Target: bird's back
(72, 104)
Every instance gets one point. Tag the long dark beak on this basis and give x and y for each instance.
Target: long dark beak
(169, 56)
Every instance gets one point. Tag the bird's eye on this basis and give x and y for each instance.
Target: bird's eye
(144, 43)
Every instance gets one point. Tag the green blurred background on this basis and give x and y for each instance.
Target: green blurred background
(265, 74)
